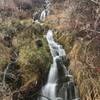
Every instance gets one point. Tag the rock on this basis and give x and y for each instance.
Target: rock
(7, 41)
(28, 92)
(36, 16)
(65, 61)
(66, 88)
(61, 71)
(38, 43)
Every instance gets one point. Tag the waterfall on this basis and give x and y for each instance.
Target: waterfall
(49, 90)
(45, 12)
(43, 15)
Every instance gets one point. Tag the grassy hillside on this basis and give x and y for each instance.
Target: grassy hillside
(26, 40)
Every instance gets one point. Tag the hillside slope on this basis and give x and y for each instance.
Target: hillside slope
(15, 4)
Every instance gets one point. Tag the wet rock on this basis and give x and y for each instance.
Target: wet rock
(65, 61)
(36, 16)
(70, 90)
(60, 68)
(66, 88)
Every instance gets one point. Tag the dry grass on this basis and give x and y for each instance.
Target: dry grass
(87, 80)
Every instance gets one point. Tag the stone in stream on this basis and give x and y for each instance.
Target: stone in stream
(65, 61)
(66, 88)
(60, 68)
(70, 90)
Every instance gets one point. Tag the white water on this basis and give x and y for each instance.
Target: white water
(45, 12)
(49, 90)
(43, 15)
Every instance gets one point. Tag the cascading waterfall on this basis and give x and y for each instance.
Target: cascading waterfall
(45, 12)
(49, 90)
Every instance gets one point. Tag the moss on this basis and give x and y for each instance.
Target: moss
(67, 40)
(31, 60)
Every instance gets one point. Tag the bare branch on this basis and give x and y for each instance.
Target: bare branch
(96, 2)
(91, 30)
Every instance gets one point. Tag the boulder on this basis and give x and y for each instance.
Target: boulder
(39, 43)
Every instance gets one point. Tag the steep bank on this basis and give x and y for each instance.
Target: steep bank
(28, 74)
(84, 63)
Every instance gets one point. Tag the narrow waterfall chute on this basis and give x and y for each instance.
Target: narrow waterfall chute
(50, 89)
(43, 15)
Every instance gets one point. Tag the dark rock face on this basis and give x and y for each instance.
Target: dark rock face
(60, 68)
(65, 61)
(39, 43)
(71, 90)
(36, 16)
(66, 88)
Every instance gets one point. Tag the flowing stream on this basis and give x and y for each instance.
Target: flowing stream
(49, 90)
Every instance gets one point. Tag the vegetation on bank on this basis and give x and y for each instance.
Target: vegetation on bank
(79, 34)
(25, 39)
(76, 26)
